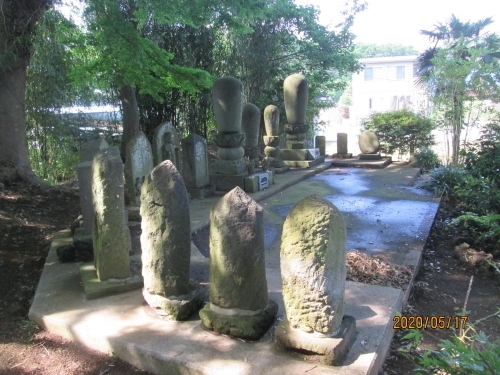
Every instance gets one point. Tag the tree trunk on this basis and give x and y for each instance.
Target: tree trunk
(130, 118)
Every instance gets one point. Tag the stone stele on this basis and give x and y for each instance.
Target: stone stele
(368, 142)
(166, 245)
(239, 304)
(111, 236)
(313, 272)
(138, 163)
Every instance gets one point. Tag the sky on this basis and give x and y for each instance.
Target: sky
(399, 21)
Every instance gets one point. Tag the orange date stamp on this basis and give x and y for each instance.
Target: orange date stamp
(432, 322)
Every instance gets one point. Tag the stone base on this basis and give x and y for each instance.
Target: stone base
(342, 156)
(300, 154)
(305, 163)
(225, 182)
(282, 169)
(228, 167)
(370, 157)
(329, 350)
(202, 192)
(243, 327)
(94, 288)
(177, 307)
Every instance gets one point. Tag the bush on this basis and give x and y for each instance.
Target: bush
(444, 180)
(402, 131)
(485, 230)
(480, 195)
(425, 159)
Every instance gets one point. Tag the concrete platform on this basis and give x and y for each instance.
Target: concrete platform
(356, 162)
(125, 326)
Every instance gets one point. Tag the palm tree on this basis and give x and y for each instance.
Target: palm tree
(458, 42)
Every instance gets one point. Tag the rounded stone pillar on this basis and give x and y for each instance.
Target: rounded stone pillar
(272, 139)
(295, 90)
(250, 124)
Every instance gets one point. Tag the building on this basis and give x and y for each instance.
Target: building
(386, 84)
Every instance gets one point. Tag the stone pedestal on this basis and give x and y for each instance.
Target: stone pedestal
(230, 169)
(296, 154)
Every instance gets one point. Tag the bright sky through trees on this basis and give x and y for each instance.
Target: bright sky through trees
(400, 21)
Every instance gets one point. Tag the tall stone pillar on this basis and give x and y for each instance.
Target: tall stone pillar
(313, 272)
(342, 146)
(250, 123)
(272, 139)
(295, 89)
(239, 304)
(230, 169)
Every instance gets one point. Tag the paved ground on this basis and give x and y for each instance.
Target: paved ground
(384, 215)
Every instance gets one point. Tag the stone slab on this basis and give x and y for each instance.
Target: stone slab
(300, 154)
(123, 325)
(304, 163)
(356, 162)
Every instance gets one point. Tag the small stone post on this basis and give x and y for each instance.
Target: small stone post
(239, 304)
(342, 146)
(166, 245)
(313, 272)
(111, 236)
(138, 163)
(195, 166)
(320, 143)
(250, 124)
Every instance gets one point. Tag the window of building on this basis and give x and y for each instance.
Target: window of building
(368, 74)
(400, 72)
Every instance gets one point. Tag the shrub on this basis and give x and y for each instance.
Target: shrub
(425, 159)
(402, 131)
(485, 230)
(444, 180)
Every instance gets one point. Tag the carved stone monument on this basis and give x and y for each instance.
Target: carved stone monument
(313, 272)
(166, 245)
(166, 145)
(239, 304)
(369, 146)
(320, 143)
(84, 173)
(195, 167)
(138, 163)
(230, 169)
(272, 139)
(342, 146)
(250, 124)
(111, 236)
(296, 153)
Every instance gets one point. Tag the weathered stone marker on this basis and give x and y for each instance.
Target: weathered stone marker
(369, 145)
(166, 145)
(239, 304)
(320, 143)
(272, 139)
(166, 245)
(138, 163)
(111, 236)
(84, 173)
(296, 153)
(342, 146)
(313, 272)
(195, 166)
(250, 124)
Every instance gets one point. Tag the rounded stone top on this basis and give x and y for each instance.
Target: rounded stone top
(250, 121)
(226, 96)
(368, 142)
(272, 120)
(296, 90)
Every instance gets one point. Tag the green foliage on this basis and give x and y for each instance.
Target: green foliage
(485, 230)
(425, 159)
(374, 50)
(401, 130)
(478, 194)
(443, 181)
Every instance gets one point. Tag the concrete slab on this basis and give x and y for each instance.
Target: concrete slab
(359, 163)
(125, 326)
